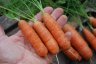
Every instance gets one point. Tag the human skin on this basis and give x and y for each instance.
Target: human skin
(16, 50)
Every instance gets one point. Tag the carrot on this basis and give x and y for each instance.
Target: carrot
(78, 42)
(92, 21)
(46, 37)
(58, 34)
(73, 54)
(90, 37)
(56, 31)
(33, 38)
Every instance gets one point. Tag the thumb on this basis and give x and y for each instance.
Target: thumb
(62, 20)
(2, 33)
(68, 35)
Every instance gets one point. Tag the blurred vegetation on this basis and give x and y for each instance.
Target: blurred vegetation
(57, 3)
(71, 7)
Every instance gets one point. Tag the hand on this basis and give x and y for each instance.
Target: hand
(16, 50)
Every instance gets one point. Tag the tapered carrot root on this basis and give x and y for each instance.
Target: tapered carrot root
(46, 37)
(56, 31)
(92, 21)
(90, 38)
(78, 42)
(73, 54)
(33, 38)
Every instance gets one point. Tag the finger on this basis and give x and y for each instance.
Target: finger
(62, 20)
(17, 40)
(2, 33)
(47, 10)
(20, 40)
(57, 13)
(68, 35)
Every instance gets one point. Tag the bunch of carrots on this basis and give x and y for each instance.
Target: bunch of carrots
(48, 36)
(77, 40)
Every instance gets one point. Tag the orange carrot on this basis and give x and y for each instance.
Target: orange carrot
(33, 38)
(56, 31)
(90, 37)
(92, 21)
(78, 42)
(59, 35)
(46, 37)
(73, 54)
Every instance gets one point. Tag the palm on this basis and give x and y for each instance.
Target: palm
(16, 50)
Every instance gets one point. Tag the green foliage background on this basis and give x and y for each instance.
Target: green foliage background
(71, 7)
(57, 3)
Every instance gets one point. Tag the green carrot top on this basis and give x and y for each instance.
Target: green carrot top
(16, 9)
